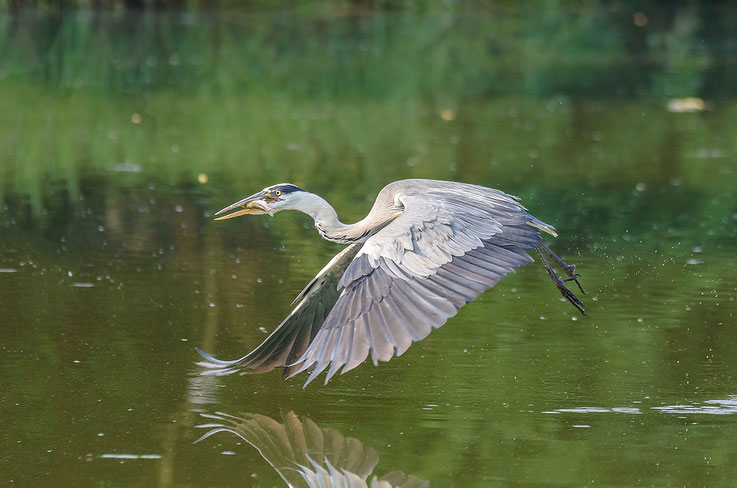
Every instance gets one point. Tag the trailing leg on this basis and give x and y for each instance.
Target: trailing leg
(559, 283)
(569, 269)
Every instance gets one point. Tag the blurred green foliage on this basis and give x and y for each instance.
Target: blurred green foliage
(519, 99)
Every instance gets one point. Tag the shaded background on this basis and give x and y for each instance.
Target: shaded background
(125, 126)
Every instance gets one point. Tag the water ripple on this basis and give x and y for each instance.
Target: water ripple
(709, 407)
(725, 406)
(629, 410)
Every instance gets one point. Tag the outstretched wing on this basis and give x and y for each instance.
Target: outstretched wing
(290, 339)
(445, 249)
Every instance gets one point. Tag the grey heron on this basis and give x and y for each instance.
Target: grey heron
(424, 250)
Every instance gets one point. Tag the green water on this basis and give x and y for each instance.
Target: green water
(121, 134)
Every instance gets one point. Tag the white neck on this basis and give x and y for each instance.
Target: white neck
(328, 224)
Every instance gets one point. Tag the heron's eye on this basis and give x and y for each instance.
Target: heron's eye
(278, 193)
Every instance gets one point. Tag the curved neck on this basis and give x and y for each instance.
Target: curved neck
(331, 228)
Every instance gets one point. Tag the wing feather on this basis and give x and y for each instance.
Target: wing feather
(293, 336)
(359, 347)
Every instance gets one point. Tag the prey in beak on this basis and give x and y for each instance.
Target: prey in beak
(257, 204)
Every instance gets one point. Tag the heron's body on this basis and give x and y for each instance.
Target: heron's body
(424, 250)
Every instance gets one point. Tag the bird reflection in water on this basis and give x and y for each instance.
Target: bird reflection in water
(307, 455)
(425, 249)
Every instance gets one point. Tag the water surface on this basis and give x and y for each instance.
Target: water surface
(122, 134)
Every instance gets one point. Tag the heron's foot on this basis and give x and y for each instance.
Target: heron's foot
(569, 269)
(574, 277)
(568, 294)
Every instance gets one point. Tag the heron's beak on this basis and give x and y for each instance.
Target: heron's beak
(253, 205)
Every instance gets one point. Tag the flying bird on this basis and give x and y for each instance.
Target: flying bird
(424, 250)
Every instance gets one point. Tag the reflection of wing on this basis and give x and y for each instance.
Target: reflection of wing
(305, 455)
(290, 339)
(398, 479)
(443, 251)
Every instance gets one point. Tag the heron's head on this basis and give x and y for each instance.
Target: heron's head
(270, 200)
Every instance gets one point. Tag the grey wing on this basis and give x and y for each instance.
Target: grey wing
(291, 338)
(301, 452)
(410, 277)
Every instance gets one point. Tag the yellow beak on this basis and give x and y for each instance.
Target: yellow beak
(253, 205)
(238, 213)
